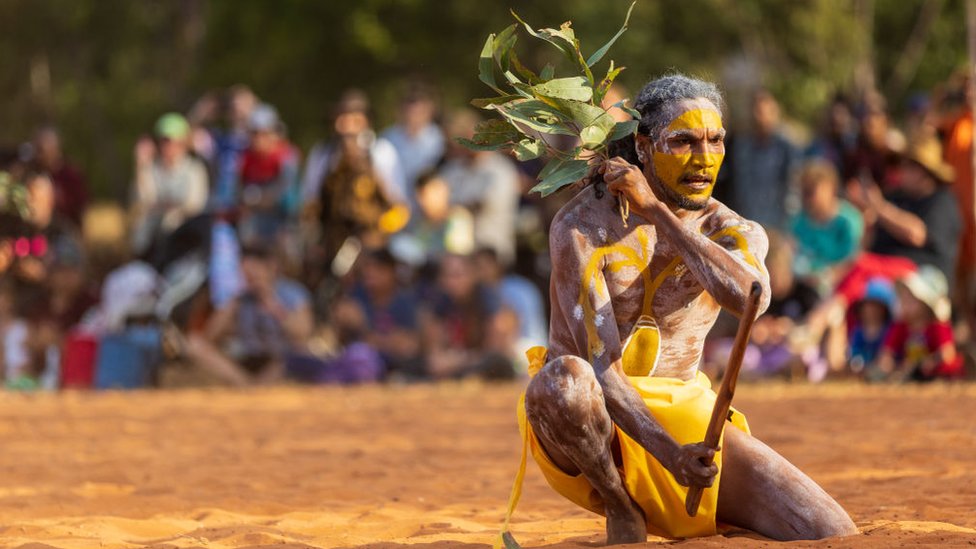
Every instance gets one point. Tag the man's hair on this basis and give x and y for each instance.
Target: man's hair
(658, 100)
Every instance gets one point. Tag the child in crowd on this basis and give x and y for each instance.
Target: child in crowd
(919, 346)
(871, 319)
(828, 230)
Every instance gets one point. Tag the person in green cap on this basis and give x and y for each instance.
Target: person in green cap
(170, 184)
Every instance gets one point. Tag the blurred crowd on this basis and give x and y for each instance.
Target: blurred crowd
(399, 255)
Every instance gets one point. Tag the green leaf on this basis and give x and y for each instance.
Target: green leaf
(535, 115)
(547, 72)
(582, 114)
(601, 90)
(574, 87)
(524, 72)
(529, 149)
(622, 105)
(491, 135)
(594, 136)
(502, 46)
(598, 54)
(486, 65)
(569, 171)
(483, 103)
(563, 39)
(623, 129)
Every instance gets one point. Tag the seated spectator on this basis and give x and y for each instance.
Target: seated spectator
(876, 158)
(229, 144)
(268, 179)
(466, 330)
(18, 371)
(827, 230)
(390, 313)
(418, 140)
(248, 339)
(438, 228)
(70, 186)
(917, 225)
(919, 345)
(518, 294)
(872, 317)
(170, 185)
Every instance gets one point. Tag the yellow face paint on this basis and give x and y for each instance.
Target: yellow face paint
(675, 164)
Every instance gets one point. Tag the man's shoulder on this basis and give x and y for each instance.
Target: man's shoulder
(719, 217)
(586, 210)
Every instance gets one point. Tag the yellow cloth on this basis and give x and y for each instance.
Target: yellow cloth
(683, 409)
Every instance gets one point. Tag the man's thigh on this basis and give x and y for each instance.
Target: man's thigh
(763, 492)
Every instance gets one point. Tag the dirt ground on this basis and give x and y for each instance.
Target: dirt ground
(430, 466)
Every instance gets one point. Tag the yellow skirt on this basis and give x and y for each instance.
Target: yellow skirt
(683, 409)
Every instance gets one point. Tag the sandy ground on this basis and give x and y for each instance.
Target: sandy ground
(429, 466)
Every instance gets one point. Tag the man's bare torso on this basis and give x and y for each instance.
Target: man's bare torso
(644, 275)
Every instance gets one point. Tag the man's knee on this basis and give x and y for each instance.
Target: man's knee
(566, 388)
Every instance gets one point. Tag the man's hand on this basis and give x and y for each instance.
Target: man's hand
(687, 466)
(626, 180)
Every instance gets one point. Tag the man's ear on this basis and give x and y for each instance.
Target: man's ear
(644, 147)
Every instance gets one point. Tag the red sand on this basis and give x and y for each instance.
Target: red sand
(430, 466)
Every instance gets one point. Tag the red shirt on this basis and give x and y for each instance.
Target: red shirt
(915, 346)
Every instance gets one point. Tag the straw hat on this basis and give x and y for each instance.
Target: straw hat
(929, 286)
(928, 154)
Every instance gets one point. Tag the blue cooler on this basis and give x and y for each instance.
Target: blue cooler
(128, 360)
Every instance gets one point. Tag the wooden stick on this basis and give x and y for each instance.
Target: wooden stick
(724, 400)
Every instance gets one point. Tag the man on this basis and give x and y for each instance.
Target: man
(613, 419)
(486, 183)
(70, 185)
(249, 338)
(418, 140)
(762, 166)
(171, 185)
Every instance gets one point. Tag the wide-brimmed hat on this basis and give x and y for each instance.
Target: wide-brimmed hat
(927, 153)
(929, 286)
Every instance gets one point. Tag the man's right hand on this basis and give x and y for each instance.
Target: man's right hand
(688, 468)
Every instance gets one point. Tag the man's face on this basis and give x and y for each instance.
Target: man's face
(688, 155)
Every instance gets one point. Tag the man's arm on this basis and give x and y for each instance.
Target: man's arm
(726, 274)
(584, 313)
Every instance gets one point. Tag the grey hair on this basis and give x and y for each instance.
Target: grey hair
(658, 100)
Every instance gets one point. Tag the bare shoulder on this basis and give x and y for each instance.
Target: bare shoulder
(720, 219)
(585, 219)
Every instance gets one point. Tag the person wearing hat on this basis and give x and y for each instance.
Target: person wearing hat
(268, 178)
(919, 345)
(170, 184)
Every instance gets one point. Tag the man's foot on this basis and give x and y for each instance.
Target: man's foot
(626, 525)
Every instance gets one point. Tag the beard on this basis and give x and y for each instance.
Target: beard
(672, 197)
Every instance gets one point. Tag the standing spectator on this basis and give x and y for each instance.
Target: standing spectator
(250, 338)
(419, 142)
(229, 144)
(268, 178)
(170, 185)
(838, 139)
(876, 158)
(958, 131)
(827, 230)
(761, 167)
(353, 186)
(70, 185)
(486, 183)
(919, 345)
(466, 330)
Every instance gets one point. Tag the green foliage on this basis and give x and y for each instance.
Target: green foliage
(545, 105)
(13, 197)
